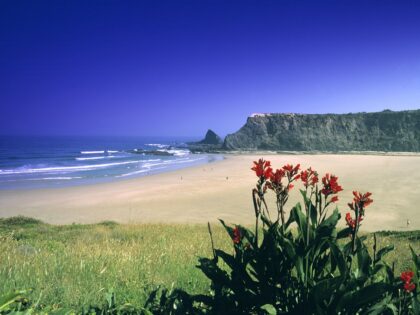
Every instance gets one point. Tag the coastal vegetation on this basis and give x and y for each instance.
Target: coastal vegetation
(77, 266)
(302, 263)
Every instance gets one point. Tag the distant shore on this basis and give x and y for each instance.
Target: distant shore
(222, 189)
(272, 152)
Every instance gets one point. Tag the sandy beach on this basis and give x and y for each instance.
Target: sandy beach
(223, 190)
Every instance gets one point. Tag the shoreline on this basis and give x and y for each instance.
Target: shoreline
(222, 189)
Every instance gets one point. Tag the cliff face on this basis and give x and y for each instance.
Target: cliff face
(382, 131)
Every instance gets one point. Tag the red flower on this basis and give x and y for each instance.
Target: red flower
(330, 185)
(236, 235)
(276, 177)
(351, 222)
(262, 169)
(362, 200)
(408, 287)
(291, 171)
(309, 177)
(334, 199)
(406, 277)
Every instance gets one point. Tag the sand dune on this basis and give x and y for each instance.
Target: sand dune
(223, 190)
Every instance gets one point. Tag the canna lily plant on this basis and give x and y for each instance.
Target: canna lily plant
(304, 264)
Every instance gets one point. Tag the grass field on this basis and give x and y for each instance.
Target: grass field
(75, 265)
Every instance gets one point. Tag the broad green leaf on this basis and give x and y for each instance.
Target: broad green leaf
(382, 252)
(339, 259)
(353, 300)
(269, 309)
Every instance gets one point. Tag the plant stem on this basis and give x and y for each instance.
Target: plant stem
(211, 238)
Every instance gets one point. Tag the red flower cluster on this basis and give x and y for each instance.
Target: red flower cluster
(330, 185)
(291, 171)
(309, 177)
(236, 235)
(352, 223)
(406, 278)
(276, 177)
(362, 200)
(262, 168)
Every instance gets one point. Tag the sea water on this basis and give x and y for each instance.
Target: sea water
(45, 162)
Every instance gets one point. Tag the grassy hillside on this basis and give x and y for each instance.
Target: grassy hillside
(75, 265)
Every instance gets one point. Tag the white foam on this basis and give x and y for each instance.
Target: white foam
(61, 178)
(161, 146)
(92, 158)
(111, 151)
(92, 152)
(149, 165)
(63, 168)
(175, 152)
(139, 172)
(179, 152)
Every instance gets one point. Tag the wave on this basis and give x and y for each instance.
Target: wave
(92, 152)
(171, 162)
(178, 152)
(55, 178)
(92, 158)
(158, 145)
(63, 168)
(112, 151)
(139, 172)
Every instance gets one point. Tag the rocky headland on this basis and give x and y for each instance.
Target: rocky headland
(387, 131)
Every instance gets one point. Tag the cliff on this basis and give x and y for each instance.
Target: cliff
(381, 131)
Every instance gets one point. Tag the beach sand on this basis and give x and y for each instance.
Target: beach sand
(223, 190)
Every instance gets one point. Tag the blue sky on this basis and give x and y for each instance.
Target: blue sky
(177, 68)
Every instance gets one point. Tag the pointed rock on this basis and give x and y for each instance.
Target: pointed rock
(211, 138)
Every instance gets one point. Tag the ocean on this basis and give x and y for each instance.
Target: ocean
(47, 162)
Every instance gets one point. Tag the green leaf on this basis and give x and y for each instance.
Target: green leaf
(363, 258)
(353, 300)
(382, 252)
(344, 233)
(382, 307)
(269, 309)
(327, 227)
(228, 259)
(416, 305)
(313, 213)
(299, 268)
(8, 299)
(339, 259)
(213, 271)
(227, 228)
(416, 268)
(300, 219)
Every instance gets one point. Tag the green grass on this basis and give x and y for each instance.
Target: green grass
(75, 265)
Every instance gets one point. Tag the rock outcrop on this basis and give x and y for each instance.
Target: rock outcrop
(211, 142)
(211, 138)
(381, 131)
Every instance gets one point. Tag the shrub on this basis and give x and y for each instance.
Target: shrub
(305, 264)
(20, 221)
